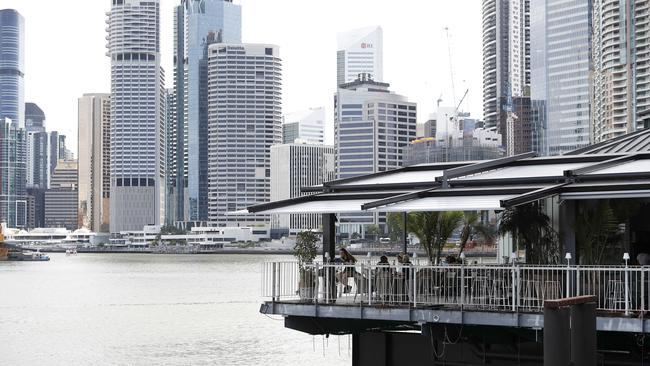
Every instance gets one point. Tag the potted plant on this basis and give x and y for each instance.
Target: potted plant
(305, 251)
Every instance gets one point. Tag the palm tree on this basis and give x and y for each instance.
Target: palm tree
(531, 228)
(433, 229)
(473, 226)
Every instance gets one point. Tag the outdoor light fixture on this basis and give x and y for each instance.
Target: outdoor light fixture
(567, 256)
(462, 256)
(327, 256)
(626, 256)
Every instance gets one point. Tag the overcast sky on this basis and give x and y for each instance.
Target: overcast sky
(65, 50)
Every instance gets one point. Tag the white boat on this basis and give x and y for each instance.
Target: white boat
(28, 256)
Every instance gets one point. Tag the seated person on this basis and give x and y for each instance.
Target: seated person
(349, 260)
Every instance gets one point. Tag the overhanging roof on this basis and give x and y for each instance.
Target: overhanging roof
(486, 185)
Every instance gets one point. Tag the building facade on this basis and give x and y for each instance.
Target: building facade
(12, 67)
(372, 128)
(137, 146)
(561, 71)
(293, 166)
(38, 159)
(13, 175)
(506, 65)
(198, 23)
(61, 198)
(307, 125)
(360, 51)
(34, 118)
(244, 121)
(621, 62)
(94, 161)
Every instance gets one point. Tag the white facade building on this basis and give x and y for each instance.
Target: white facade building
(244, 121)
(294, 166)
(360, 51)
(137, 115)
(307, 125)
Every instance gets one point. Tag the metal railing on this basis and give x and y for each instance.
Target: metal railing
(482, 287)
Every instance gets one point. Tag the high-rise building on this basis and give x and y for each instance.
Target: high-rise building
(561, 72)
(244, 121)
(13, 175)
(137, 192)
(57, 149)
(13, 204)
(506, 68)
(38, 159)
(372, 128)
(94, 161)
(293, 166)
(61, 198)
(198, 23)
(34, 118)
(360, 51)
(307, 125)
(171, 156)
(621, 62)
(12, 67)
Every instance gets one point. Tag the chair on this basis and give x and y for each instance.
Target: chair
(480, 291)
(531, 291)
(615, 295)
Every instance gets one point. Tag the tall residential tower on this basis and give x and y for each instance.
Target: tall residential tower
(621, 57)
(137, 121)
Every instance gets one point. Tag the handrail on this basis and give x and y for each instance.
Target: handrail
(507, 288)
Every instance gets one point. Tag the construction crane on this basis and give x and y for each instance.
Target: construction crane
(439, 100)
(461, 100)
(451, 71)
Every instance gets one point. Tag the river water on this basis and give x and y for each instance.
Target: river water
(147, 309)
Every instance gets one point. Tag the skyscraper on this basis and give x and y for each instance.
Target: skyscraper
(34, 118)
(561, 72)
(61, 198)
(244, 121)
(12, 67)
(38, 159)
(137, 120)
(621, 61)
(198, 23)
(13, 201)
(94, 161)
(360, 51)
(506, 70)
(372, 128)
(305, 125)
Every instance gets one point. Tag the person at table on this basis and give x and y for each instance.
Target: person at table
(348, 260)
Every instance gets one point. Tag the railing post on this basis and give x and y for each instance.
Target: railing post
(514, 288)
(568, 279)
(642, 289)
(369, 284)
(327, 283)
(462, 284)
(273, 284)
(315, 280)
(415, 287)
(577, 280)
(627, 290)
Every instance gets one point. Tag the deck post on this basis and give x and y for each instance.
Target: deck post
(583, 334)
(329, 251)
(557, 347)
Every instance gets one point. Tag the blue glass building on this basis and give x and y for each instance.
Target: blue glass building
(198, 23)
(12, 66)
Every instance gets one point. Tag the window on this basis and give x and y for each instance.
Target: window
(268, 51)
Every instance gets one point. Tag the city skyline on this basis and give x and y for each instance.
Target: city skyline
(309, 56)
